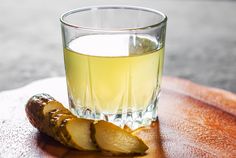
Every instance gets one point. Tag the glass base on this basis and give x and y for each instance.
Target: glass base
(133, 119)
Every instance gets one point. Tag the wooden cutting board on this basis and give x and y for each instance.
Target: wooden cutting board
(194, 121)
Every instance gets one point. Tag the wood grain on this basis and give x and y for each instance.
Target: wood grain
(194, 121)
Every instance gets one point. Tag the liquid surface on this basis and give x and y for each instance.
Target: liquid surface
(113, 73)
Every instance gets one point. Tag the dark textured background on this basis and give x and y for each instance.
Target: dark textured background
(200, 46)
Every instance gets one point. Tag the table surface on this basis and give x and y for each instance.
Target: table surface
(194, 121)
(200, 43)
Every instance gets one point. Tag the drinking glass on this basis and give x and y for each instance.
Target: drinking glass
(113, 59)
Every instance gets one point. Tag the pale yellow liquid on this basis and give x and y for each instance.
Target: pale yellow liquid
(113, 73)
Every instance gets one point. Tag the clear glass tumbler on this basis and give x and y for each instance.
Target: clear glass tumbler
(114, 61)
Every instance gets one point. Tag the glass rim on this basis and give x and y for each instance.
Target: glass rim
(97, 7)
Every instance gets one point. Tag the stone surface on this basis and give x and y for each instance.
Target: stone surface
(200, 46)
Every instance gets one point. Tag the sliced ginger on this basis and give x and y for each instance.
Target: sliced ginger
(51, 117)
(112, 138)
(78, 132)
(52, 105)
